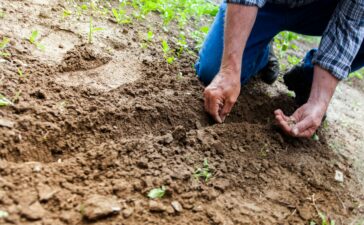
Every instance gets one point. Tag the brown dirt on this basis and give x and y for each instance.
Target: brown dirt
(115, 120)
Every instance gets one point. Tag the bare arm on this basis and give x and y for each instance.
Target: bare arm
(239, 21)
(222, 93)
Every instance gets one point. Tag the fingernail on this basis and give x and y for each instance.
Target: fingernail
(295, 131)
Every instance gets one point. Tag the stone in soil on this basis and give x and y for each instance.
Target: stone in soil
(155, 206)
(97, 206)
(177, 206)
(33, 212)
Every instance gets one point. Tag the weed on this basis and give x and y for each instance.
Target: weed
(157, 192)
(2, 14)
(66, 13)
(293, 60)
(20, 73)
(33, 39)
(4, 101)
(203, 172)
(3, 44)
(291, 94)
(315, 137)
(167, 53)
(358, 75)
(150, 35)
(120, 16)
(92, 30)
(324, 220)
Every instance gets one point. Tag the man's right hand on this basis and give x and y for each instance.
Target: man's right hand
(221, 95)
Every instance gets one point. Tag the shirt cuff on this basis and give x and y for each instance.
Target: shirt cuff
(331, 64)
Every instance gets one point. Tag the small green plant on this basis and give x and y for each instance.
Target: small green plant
(167, 52)
(150, 35)
(358, 75)
(2, 14)
(120, 16)
(324, 220)
(3, 44)
(92, 30)
(157, 192)
(293, 60)
(33, 39)
(291, 94)
(315, 137)
(4, 101)
(20, 73)
(66, 13)
(203, 172)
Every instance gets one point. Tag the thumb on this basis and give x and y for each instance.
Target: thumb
(226, 109)
(301, 129)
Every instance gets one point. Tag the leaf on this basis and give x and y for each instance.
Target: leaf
(165, 46)
(33, 36)
(315, 137)
(4, 42)
(157, 193)
(4, 101)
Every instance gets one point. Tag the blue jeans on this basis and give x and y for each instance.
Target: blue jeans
(311, 19)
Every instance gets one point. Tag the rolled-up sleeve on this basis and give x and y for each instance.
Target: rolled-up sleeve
(342, 38)
(259, 3)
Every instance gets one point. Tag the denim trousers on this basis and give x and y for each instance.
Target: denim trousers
(310, 19)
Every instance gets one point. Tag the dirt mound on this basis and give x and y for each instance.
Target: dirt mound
(117, 123)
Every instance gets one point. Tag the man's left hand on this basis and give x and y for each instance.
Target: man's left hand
(305, 120)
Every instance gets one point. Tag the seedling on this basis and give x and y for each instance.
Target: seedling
(4, 101)
(315, 137)
(150, 35)
(157, 192)
(167, 52)
(120, 16)
(2, 14)
(66, 13)
(293, 60)
(20, 73)
(33, 39)
(3, 44)
(92, 30)
(203, 172)
(324, 220)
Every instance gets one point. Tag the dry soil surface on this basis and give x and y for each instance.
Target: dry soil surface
(95, 127)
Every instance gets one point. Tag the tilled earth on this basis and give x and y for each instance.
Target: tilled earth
(96, 127)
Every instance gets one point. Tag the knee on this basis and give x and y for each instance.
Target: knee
(205, 72)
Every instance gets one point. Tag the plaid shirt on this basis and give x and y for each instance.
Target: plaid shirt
(342, 38)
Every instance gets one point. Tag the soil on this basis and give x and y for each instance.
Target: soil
(96, 126)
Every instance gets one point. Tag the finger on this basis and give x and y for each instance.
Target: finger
(214, 108)
(283, 123)
(226, 109)
(281, 114)
(301, 127)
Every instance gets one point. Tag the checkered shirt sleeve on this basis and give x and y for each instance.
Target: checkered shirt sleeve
(342, 38)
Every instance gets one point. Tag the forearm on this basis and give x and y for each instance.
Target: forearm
(239, 21)
(323, 86)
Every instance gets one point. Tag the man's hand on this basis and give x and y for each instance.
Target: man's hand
(223, 91)
(305, 121)
(221, 95)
